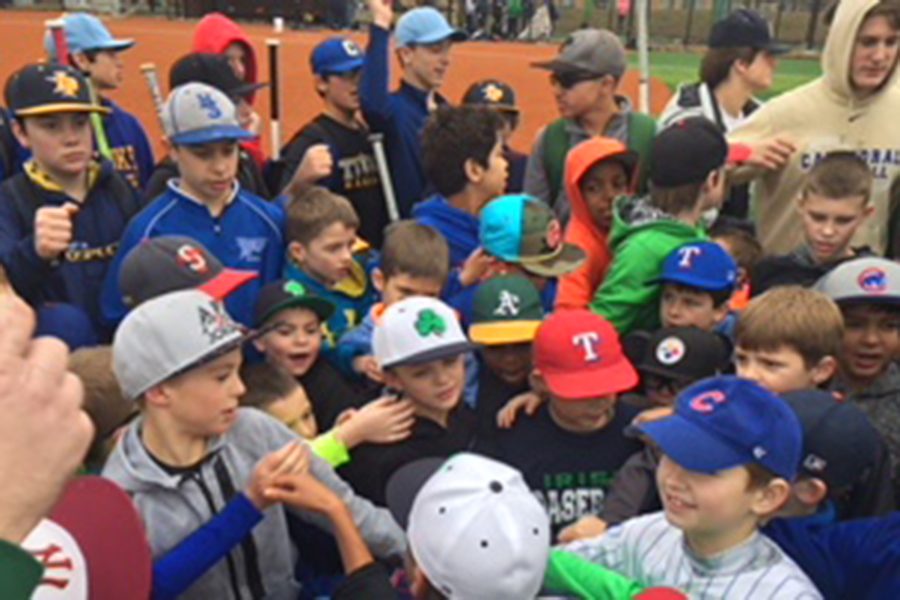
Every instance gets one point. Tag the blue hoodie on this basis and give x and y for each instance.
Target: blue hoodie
(458, 227)
(248, 235)
(131, 151)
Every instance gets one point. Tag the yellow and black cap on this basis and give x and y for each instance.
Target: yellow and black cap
(45, 89)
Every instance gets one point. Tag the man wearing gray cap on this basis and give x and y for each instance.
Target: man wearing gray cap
(584, 77)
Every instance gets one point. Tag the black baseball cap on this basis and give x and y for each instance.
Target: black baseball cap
(687, 152)
(166, 264)
(684, 354)
(744, 28)
(36, 90)
(839, 441)
(491, 93)
(211, 69)
(288, 293)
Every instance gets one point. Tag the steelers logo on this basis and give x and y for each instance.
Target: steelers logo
(670, 351)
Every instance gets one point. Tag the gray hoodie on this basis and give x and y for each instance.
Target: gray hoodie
(173, 506)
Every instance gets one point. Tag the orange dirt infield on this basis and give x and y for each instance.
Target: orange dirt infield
(163, 41)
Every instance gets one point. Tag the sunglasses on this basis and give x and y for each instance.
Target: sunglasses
(569, 79)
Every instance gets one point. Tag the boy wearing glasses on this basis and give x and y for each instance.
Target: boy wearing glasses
(333, 150)
(584, 77)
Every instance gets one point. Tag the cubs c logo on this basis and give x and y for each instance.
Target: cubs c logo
(192, 258)
(687, 255)
(589, 342)
(707, 401)
(873, 280)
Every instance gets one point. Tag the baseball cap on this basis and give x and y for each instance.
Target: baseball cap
(423, 26)
(744, 28)
(579, 355)
(687, 152)
(506, 310)
(37, 90)
(92, 545)
(870, 280)
(336, 55)
(170, 263)
(521, 229)
(726, 422)
(703, 265)
(500, 540)
(169, 335)
(197, 113)
(491, 93)
(683, 353)
(85, 32)
(839, 441)
(213, 70)
(590, 51)
(417, 330)
(288, 293)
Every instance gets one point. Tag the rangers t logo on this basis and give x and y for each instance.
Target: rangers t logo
(687, 254)
(589, 342)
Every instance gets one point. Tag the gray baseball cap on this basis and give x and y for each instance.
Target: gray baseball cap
(197, 113)
(591, 51)
(875, 280)
(170, 335)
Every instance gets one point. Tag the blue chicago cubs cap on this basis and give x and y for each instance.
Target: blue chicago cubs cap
(868, 280)
(726, 422)
(335, 56)
(86, 32)
(196, 113)
(423, 26)
(703, 265)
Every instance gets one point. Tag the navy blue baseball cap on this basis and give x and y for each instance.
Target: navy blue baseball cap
(703, 265)
(744, 28)
(424, 26)
(726, 422)
(335, 56)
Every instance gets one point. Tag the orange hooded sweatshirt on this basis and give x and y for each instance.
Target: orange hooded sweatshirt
(576, 290)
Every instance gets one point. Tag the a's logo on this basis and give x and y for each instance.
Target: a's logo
(429, 322)
(251, 249)
(589, 342)
(64, 84)
(687, 255)
(873, 280)
(215, 324)
(670, 350)
(492, 93)
(708, 401)
(352, 48)
(192, 258)
(209, 104)
(508, 305)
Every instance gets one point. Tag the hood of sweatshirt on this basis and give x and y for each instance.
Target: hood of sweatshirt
(457, 226)
(215, 32)
(633, 215)
(579, 161)
(837, 55)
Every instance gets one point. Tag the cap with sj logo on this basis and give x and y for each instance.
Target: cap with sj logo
(417, 330)
(580, 358)
(197, 113)
(507, 310)
(36, 90)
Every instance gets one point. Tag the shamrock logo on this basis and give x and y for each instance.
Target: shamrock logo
(294, 288)
(429, 322)
(66, 85)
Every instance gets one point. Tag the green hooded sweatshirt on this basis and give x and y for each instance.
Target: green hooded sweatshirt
(642, 237)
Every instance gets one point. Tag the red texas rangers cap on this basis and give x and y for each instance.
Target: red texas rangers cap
(93, 545)
(580, 357)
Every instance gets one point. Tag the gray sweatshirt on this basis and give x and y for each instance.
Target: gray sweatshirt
(173, 506)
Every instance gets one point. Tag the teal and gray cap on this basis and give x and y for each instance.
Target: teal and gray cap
(196, 113)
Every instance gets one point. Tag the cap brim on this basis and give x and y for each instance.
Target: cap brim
(559, 66)
(503, 332)
(62, 107)
(694, 282)
(567, 260)
(244, 90)
(343, 67)
(223, 284)
(404, 485)
(692, 446)
(652, 369)
(114, 45)
(322, 307)
(454, 35)
(777, 49)
(617, 377)
(434, 354)
(211, 134)
(885, 300)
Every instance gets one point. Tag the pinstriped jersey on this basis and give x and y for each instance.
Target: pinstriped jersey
(653, 552)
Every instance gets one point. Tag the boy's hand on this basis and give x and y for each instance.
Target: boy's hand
(291, 459)
(303, 491)
(586, 527)
(652, 414)
(368, 365)
(317, 164)
(383, 421)
(382, 12)
(476, 267)
(250, 121)
(771, 154)
(53, 229)
(529, 402)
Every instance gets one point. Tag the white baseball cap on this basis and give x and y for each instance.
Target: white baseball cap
(869, 280)
(169, 335)
(417, 330)
(474, 527)
(196, 113)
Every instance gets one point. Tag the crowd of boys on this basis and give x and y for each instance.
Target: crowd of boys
(558, 374)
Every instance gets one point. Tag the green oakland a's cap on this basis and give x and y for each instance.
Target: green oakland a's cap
(507, 310)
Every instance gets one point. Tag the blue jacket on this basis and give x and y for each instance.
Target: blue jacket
(12, 155)
(354, 343)
(248, 235)
(77, 277)
(131, 151)
(458, 227)
(852, 559)
(400, 116)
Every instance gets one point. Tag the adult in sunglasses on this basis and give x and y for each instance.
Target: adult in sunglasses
(585, 77)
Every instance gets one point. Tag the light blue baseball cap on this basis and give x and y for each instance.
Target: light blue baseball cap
(196, 113)
(423, 26)
(86, 32)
